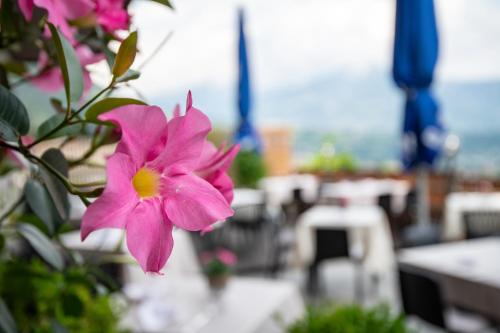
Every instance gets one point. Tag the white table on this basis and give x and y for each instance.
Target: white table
(279, 189)
(183, 303)
(247, 197)
(367, 191)
(368, 231)
(468, 272)
(460, 202)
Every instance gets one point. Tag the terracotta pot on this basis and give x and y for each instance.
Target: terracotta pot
(218, 282)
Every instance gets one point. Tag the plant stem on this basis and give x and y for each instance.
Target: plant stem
(68, 119)
(12, 209)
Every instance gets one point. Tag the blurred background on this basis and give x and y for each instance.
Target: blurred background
(369, 171)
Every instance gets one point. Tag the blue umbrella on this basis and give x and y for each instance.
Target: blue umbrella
(246, 134)
(415, 56)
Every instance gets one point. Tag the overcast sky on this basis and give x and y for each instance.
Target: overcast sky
(296, 41)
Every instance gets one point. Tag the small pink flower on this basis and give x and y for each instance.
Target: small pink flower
(226, 257)
(111, 15)
(152, 183)
(59, 12)
(51, 80)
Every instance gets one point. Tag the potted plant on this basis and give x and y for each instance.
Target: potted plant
(217, 267)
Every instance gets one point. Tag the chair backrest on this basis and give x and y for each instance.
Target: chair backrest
(482, 224)
(421, 296)
(249, 213)
(331, 244)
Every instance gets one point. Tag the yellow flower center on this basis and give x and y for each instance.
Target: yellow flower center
(146, 183)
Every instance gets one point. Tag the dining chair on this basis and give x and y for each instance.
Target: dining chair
(481, 224)
(421, 297)
(330, 244)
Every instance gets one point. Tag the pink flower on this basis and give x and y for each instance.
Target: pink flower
(152, 183)
(226, 257)
(213, 166)
(214, 163)
(51, 80)
(111, 15)
(59, 12)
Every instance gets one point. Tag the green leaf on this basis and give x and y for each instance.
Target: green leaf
(165, 2)
(72, 305)
(54, 121)
(7, 323)
(129, 76)
(54, 186)
(108, 104)
(14, 120)
(39, 201)
(125, 56)
(70, 66)
(41, 244)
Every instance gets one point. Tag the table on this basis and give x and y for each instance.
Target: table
(183, 303)
(468, 272)
(279, 189)
(460, 202)
(368, 229)
(367, 191)
(247, 197)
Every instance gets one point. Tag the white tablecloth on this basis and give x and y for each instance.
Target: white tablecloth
(279, 189)
(460, 202)
(247, 197)
(368, 230)
(367, 191)
(183, 303)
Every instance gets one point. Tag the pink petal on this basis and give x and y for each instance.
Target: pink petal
(226, 256)
(26, 7)
(193, 204)
(50, 80)
(212, 159)
(111, 209)
(221, 181)
(74, 9)
(177, 111)
(189, 101)
(57, 16)
(149, 235)
(144, 130)
(87, 56)
(186, 136)
(117, 19)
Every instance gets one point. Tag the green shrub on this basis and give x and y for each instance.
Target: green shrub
(350, 319)
(248, 169)
(41, 299)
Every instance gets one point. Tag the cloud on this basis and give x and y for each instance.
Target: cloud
(296, 41)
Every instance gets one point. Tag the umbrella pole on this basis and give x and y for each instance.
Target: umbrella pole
(422, 184)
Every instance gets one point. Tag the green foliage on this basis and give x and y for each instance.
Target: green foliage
(216, 268)
(126, 55)
(332, 163)
(14, 119)
(350, 319)
(248, 169)
(70, 66)
(41, 300)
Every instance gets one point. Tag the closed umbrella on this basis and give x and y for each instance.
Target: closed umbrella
(246, 134)
(415, 56)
